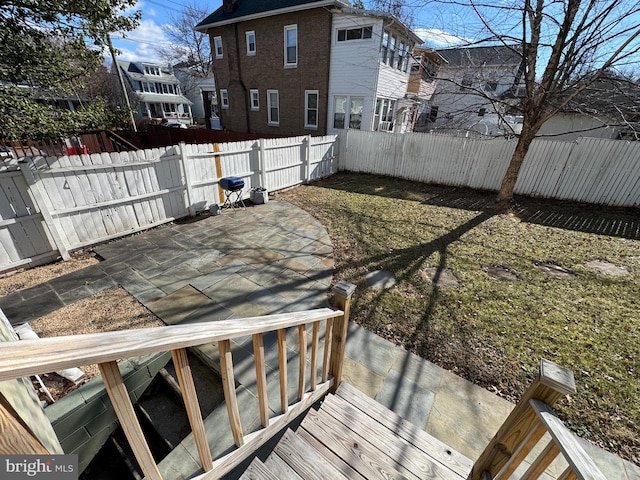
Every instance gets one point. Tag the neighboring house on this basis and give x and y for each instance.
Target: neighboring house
(202, 93)
(476, 88)
(369, 72)
(608, 108)
(158, 91)
(294, 67)
(422, 86)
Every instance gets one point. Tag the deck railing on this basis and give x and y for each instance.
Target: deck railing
(30, 357)
(526, 426)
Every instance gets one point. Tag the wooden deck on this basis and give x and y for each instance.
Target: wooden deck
(352, 436)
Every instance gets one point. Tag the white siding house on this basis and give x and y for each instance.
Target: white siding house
(158, 92)
(369, 71)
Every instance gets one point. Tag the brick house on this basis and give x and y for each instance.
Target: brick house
(296, 67)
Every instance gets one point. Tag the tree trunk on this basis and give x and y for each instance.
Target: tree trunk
(511, 176)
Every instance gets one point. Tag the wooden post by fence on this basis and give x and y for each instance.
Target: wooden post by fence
(186, 174)
(307, 159)
(553, 383)
(343, 291)
(261, 165)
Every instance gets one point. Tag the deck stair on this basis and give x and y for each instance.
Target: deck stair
(352, 436)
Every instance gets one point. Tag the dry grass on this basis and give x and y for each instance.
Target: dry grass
(109, 310)
(20, 279)
(490, 332)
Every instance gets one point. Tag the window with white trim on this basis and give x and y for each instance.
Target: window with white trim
(273, 107)
(149, 70)
(360, 33)
(383, 114)
(400, 55)
(217, 46)
(291, 46)
(392, 50)
(385, 47)
(251, 42)
(224, 98)
(311, 109)
(347, 111)
(255, 99)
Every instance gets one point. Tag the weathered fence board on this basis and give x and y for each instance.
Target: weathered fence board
(588, 170)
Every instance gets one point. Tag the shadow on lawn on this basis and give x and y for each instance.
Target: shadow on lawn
(581, 217)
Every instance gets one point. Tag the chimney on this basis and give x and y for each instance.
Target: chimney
(230, 6)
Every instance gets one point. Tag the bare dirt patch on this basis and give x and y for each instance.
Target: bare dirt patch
(109, 310)
(20, 279)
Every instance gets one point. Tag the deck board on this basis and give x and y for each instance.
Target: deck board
(406, 457)
(258, 471)
(344, 468)
(428, 444)
(304, 459)
(281, 468)
(358, 452)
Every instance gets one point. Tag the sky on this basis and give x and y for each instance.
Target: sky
(141, 43)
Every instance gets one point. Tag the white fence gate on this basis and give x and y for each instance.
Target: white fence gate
(89, 199)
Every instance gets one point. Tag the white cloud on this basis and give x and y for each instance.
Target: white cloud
(439, 38)
(141, 44)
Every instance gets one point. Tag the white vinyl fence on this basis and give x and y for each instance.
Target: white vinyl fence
(51, 205)
(588, 170)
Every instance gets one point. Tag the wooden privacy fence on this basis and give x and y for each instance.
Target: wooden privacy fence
(51, 205)
(588, 170)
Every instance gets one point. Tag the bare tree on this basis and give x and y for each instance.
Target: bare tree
(188, 50)
(566, 47)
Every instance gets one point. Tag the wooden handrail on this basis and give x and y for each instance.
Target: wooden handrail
(526, 426)
(32, 357)
(579, 461)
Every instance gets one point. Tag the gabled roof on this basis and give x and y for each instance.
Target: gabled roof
(249, 9)
(497, 55)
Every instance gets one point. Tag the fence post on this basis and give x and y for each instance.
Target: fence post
(307, 160)
(553, 383)
(343, 291)
(261, 166)
(39, 200)
(186, 175)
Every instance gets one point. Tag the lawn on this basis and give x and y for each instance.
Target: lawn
(490, 331)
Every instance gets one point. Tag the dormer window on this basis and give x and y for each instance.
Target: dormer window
(150, 70)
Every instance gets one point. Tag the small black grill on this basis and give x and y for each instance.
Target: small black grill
(232, 187)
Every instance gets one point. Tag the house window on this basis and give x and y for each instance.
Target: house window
(169, 107)
(383, 114)
(273, 107)
(217, 46)
(345, 34)
(290, 46)
(385, 47)
(400, 55)
(224, 98)
(251, 43)
(347, 112)
(467, 81)
(255, 99)
(311, 109)
(149, 70)
(392, 50)
(482, 111)
(491, 86)
(433, 114)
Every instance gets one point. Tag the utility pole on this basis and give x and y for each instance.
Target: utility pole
(122, 85)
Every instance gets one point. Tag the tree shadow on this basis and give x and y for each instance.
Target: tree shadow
(621, 222)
